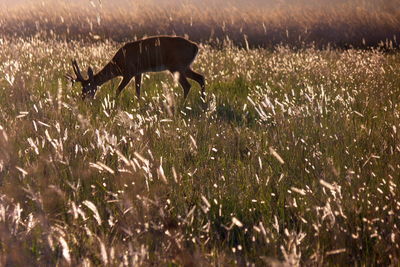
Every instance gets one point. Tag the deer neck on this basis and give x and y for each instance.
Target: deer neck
(109, 72)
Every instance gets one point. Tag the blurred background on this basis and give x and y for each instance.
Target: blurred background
(253, 23)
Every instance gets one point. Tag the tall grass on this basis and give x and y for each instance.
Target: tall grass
(295, 160)
(321, 23)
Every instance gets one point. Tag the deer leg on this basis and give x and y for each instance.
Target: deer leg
(123, 84)
(199, 79)
(185, 84)
(138, 82)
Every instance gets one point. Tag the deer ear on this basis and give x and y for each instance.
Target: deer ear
(90, 73)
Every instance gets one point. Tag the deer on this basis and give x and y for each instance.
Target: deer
(153, 54)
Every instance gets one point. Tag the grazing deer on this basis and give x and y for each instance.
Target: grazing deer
(158, 53)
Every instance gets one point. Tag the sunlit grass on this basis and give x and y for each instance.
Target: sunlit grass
(295, 160)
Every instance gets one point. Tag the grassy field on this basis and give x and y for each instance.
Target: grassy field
(296, 160)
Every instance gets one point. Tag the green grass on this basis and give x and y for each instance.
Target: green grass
(296, 159)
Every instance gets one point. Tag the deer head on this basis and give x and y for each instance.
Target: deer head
(89, 87)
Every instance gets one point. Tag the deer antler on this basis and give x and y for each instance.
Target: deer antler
(77, 71)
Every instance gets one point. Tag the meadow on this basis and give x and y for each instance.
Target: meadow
(294, 161)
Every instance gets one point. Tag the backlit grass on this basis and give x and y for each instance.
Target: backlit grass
(295, 160)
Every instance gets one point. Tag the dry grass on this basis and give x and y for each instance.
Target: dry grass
(295, 161)
(355, 23)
